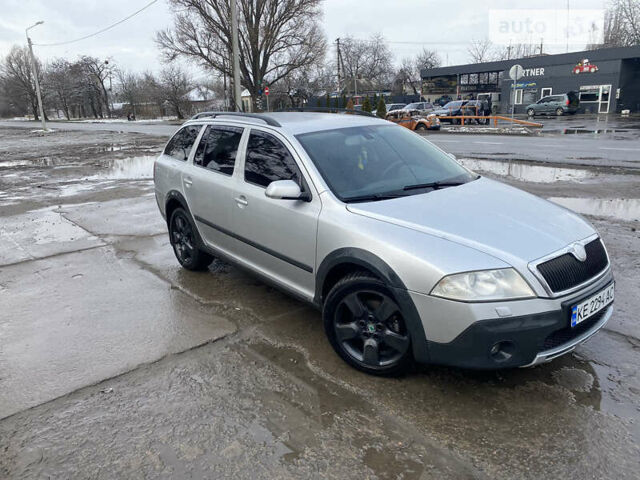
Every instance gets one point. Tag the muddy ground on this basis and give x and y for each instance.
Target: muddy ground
(114, 362)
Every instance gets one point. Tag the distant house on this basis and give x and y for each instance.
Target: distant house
(202, 99)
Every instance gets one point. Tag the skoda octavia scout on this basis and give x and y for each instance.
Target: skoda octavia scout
(409, 255)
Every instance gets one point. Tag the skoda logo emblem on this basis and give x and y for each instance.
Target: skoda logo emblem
(578, 251)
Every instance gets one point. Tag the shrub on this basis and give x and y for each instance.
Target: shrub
(366, 105)
(381, 109)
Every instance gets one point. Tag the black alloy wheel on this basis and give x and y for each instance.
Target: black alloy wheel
(366, 327)
(531, 112)
(183, 238)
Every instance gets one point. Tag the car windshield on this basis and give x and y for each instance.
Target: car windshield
(413, 106)
(379, 161)
(455, 104)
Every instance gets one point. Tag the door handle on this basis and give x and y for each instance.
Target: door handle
(241, 201)
(188, 181)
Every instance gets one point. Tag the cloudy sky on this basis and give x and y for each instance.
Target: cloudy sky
(447, 27)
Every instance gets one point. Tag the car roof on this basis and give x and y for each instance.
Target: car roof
(296, 123)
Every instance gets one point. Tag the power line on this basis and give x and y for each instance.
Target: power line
(99, 31)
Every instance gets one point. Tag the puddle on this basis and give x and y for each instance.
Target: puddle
(528, 173)
(130, 168)
(626, 209)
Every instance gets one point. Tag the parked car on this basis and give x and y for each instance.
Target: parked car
(442, 100)
(451, 109)
(408, 254)
(394, 106)
(555, 105)
(407, 119)
(421, 108)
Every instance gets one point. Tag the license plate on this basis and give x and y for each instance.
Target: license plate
(591, 306)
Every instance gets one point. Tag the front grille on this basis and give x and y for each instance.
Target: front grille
(565, 335)
(566, 271)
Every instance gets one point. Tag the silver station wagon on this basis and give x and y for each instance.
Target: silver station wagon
(409, 255)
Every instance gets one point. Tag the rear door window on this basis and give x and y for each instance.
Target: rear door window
(218, 149)
(268, 160)
(180, 145)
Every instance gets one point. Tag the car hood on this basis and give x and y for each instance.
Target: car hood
(487, 215)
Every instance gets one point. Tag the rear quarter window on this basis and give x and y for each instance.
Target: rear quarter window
(179, 147)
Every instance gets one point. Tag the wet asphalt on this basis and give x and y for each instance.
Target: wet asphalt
(116, 363)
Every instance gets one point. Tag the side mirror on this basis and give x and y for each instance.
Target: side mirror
(284, 190)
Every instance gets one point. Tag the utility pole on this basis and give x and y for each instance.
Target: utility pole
(541, 44)
(567, 27)
(338, 61)
(34, 71)
(236, 58)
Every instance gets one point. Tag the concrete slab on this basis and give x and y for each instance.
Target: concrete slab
(73, 320)
(128, 216)
(40, 233)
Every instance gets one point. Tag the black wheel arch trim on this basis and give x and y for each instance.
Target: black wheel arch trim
(382, 270)
(176, 195)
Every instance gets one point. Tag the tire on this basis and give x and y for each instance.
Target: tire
(421, 126)
(186, 243)
(559, 112)
(531, 112)
(365, 325)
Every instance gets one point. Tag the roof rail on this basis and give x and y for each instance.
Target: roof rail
(327, 110)
(260, 116)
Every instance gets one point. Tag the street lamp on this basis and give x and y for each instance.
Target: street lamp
(35, 73)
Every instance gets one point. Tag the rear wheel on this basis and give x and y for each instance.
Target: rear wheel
(366, 326)
(184, 240)
(421, 126)
(559, 111)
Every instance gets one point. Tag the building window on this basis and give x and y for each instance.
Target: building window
(473, 79)
(464, 79)
(483, 78)
(518, 100)
(591, 95)
(500, 76)
(493, 77)
(545, 92)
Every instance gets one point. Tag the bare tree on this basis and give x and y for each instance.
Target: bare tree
(369, 60)
(518, 50)
(129, 88)
(61, 83)
(18, 81)
(480, 50)
(98, 71)
(174, 86)
(409, 73)
(276, 37)
(622, 24)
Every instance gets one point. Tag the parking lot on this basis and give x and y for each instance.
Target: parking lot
(115, 362)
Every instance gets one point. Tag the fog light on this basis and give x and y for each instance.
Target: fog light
(502, 351)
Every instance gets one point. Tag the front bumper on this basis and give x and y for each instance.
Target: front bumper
(524, 339)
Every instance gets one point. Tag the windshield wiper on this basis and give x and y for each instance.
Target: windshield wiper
(433, 185)
(373, 197)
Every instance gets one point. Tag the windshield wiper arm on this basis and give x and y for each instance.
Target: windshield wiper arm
(373, 197)
(434, 185)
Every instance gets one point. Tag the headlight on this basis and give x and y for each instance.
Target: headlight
(483, 285)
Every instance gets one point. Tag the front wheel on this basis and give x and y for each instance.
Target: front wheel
(183, 238)
(531, 112)
(366, 327)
